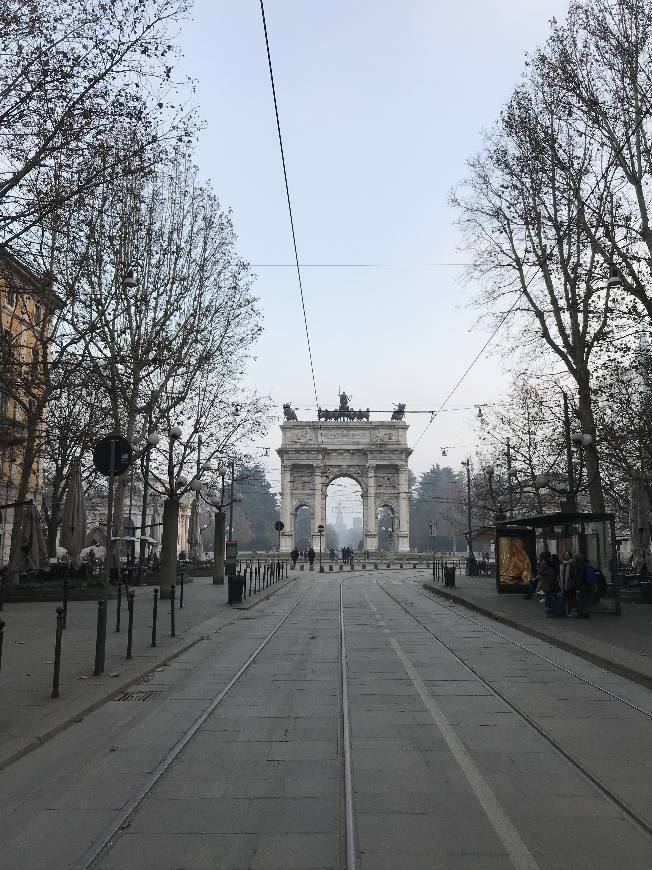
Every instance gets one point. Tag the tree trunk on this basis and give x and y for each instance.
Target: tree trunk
(218, 550)
(169, 545)
(29, 453)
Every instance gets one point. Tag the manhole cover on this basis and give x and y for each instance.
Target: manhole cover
(137, 696)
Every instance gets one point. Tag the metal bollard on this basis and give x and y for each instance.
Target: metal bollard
(251, 578)
(57, 654)
(118, 607)
(154, 617)
(172, 628)
(2, 636)
(99, 665)
(65, 599)
(130, 627)
(181, 593)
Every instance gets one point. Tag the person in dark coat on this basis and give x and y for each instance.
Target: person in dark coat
(311, 555)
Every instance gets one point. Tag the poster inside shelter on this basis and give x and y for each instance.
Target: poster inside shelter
(516, 562)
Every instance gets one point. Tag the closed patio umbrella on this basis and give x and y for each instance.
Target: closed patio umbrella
(194, 531)
(73, 523)
(31, 553)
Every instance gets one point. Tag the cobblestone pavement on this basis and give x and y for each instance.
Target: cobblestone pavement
(468, 749)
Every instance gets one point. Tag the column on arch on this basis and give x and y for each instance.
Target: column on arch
(403, 509)
(287, 518)
(371, 530)
(318, 515)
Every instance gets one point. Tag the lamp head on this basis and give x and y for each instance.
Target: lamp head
(541, 480)
(129, 280)
(153, 438)
(176, 432)
(195, 484)
(181, 480)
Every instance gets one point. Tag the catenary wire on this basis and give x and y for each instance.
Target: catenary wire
(435, 414)
(289, 201)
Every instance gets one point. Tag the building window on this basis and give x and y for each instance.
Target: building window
(10, 296)
(38, 314)
(4, 404)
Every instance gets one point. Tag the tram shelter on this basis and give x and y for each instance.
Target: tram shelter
(591, 534)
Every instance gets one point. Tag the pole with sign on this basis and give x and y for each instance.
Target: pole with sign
(111, 456)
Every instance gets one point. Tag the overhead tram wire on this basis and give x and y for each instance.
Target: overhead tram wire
(289, 201)
(435, 414)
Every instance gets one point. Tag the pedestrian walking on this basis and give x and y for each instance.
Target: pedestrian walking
(311, 556)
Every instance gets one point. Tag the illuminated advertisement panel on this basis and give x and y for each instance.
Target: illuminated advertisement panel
(515, 559)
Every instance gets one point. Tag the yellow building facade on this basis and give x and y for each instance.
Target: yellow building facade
(25, 300)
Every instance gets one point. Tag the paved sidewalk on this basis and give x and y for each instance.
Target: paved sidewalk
(28, 716)
(621, 644)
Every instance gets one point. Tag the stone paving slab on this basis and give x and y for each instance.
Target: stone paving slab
(29, 717)
(621, 644)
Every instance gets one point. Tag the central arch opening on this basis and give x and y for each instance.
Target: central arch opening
(387, 528)
(344, 517)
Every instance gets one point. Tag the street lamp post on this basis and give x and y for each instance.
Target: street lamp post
(152, 440)
(218, 535)
(471, 558)
(231, 504)
(320, 529)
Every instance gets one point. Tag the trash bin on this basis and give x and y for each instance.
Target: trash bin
(236, 588)
(449, 576)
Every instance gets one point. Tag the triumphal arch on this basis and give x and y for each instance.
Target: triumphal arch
(345, 443)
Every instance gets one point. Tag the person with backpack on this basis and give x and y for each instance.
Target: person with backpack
(587, 581)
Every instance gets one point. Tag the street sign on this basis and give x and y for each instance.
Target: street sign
(231, 558)
(102, 455)
(231, 551)
(320, 529)
(279, 526)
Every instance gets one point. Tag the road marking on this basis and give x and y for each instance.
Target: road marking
(518, 852)
(520, 855)
(351, 862)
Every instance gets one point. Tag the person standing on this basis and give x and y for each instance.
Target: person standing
(567, 581)
(311, 556)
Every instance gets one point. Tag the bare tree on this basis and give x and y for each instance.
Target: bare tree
(164, 303)
(75, 77)
(599, 60)
(520, 216)
(226, 420)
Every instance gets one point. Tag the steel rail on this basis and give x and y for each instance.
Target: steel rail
(604, 789)
(543, 658)
(351, 857)
(123, 815)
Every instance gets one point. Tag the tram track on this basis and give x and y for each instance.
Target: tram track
(122, 817)
(540, 656)
(604, 789)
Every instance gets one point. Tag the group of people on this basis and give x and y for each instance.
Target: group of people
(308, 554)
(570, 584)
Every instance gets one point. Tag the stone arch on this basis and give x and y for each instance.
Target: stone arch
(350, 534)
(373, 454)
(302, 505)
(383, 538)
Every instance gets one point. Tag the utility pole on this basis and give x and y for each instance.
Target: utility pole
(569, 456)
(469, 533)
(510, 493)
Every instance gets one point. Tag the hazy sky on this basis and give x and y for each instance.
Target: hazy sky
(381, 103)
